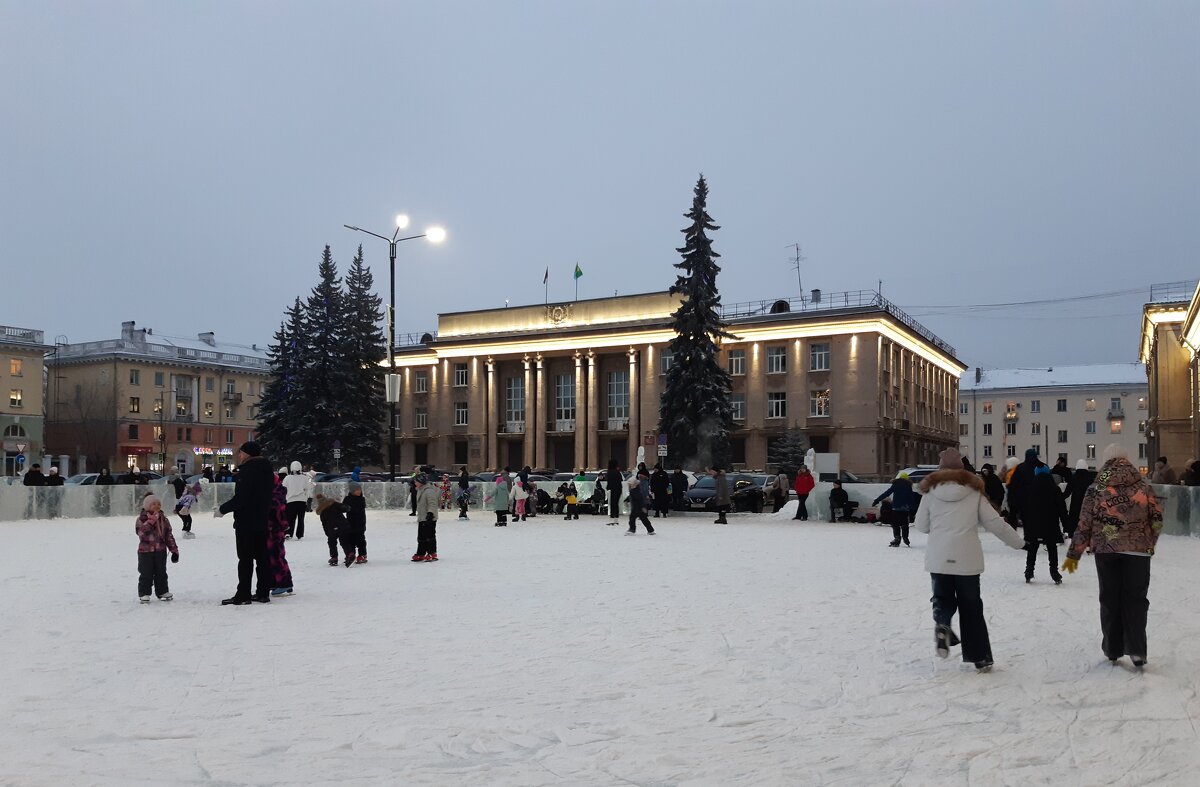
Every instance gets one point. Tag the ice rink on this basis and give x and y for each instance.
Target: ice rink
(763, 652)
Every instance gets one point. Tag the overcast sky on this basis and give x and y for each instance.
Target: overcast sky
(183, 164)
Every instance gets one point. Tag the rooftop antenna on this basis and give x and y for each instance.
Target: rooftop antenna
(795, 263)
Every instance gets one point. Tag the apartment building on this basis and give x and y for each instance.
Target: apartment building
(571, 385)
(154, 401)
(1071, 412)
(1170, 348)
(21, 410)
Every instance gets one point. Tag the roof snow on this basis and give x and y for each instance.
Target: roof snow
(1056, 376)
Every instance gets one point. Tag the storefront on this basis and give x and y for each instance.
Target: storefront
(211, 456)
(135, 455)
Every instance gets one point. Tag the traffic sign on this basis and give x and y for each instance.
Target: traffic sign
(662, 449)
(20, 459)
(21, 448)
(337, 453)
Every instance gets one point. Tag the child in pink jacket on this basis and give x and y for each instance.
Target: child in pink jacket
(154, 531)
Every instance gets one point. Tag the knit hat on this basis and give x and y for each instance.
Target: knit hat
(1031, 455)
(950, 459)
(355, 486)
(421, 479)
(54, 471)
(295, 467)
(1081, 464)
(251, 448)
(196, 488)
(149, 500)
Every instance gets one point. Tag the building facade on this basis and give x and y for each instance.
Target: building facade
(21, 409)
(1170, 348)
(153, 401)
(571, 385)
(1067, 411)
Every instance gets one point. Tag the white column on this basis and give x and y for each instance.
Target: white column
(635, 429)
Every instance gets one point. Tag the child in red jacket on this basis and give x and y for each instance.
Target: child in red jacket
(154, 531)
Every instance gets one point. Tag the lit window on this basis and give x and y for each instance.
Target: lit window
(1010, 407)
(737, 362)
(737, 402)
(776, 360)
(1091, 451)
(158, 406)
(818, 403)
(421, 382)
(135, 404)
(1141, 403)
(777, 404)
(208, 409)
(14, 366)
(987, 408)
(460, 375)
(818, 357)
(1141, 427)
(1115, 427)
(460, 413)
(16, 397)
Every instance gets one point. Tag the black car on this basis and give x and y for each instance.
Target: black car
(745, 494)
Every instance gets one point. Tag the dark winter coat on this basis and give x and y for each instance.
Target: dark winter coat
(333, 517)
(659, 482)
(993, 487)
(904, 497)
(1044, 511)
(678, 482)
(721, 496)
(1077, 488)
(34, 478)
(613, 479)
(1020, 488)
(178, 484)
(637, 499)
(54, 479)
(253, 496)
(104, 479)
(838, 497)
(1062, 473)
(355, 507)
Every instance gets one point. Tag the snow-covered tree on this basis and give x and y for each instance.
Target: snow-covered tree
(279, 407)
(364, 348)
(324, 378)
(787, 452)
(695, 411)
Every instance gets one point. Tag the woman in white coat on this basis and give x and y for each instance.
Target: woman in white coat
(952, 509)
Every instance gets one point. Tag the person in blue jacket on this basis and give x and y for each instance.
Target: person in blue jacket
(904, 501)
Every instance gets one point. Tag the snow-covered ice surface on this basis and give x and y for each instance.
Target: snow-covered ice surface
(547, 653)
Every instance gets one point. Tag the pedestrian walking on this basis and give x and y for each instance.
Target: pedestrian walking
(427, 512)
(253, 493)
(951, 513)
(1042, 519)
(1119, 522)
(298, 486)
(804, 485)
(637, 507)
(902, 505)
(721, 499)
(154, 541)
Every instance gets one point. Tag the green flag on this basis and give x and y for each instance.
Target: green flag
(578, 271)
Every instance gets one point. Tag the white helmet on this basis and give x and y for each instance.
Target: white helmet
(295, 466)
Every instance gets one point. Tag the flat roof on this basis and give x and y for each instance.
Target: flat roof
(1056, 377)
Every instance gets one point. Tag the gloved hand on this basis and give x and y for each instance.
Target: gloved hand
(175, 557)
(1069, 565)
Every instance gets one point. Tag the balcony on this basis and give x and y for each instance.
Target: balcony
(513, 427)
(617, 424)
(1012, 416)
(1116, 414)
(231, 397)
(184, 417)
(561, 425)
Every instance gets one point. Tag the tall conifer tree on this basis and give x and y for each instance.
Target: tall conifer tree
(365, 408)
(324, 379)
(695, 411)
(279, 408)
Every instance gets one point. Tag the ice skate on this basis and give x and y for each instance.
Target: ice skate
(188, 534)
(650, 532)
(236, 601)
(144, 599)
(431, 557)
(1139, 662)
(631, 532)
(895, 543)
(166, 597)
(361, 559)
(333, 561)
(281, 592)
(418, 558)
(349, 561)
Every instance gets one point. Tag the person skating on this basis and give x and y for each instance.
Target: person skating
(993, 487)
(1081, 479)
(154, 541)
(445, 495)
(253, 496)
(427, 511)
(804, 485)
(520, 501)
(464, 492)
(499, 500)
(184, 508)
(1020, 486)
(355, 506)
(299, 487)
(333, 521)
(903, 504)
(1120, 522)
(637, 507)
(1042, 519)
(572, 498)
(614, 481)
(177, 483)
(721, 499)
(277, 524)
(951, 513)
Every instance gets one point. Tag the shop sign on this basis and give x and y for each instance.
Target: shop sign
(203, 450)
(136, 450)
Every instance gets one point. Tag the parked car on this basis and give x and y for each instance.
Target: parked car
(916, 474)
(745, 493)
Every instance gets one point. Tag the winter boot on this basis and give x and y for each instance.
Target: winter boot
(262, 598)
(983, 666)
(721, 520)
(650, 532)
(236, 601)
(941, 638)
(349, 561)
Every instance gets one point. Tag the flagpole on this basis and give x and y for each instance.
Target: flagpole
(577, 282)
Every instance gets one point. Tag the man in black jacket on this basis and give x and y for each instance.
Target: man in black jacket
(34, 477)
(253, 494)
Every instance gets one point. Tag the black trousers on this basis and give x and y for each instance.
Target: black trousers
(427, 537)
(614, 504)
(953, 593)
(152, 569)
(801, 508)
(1031, 550)
(899, 522)
(187, 522)
(780, 499)
(333, 545)
(572, 510)
(634, 516)
(295, 518)
(252, 560)
(1124, 583)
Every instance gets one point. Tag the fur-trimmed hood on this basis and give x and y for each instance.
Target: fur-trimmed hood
(963, 478)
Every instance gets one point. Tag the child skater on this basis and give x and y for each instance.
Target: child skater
(356, 521)
(427, 514)
(184, 508)
(154, 531)
(637, 507)
(333, 520)
(520, 499)
(499, 500)
(572, 495)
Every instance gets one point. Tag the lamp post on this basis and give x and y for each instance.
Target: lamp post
(392, 387)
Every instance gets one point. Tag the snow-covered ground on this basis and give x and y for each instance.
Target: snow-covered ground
(761, 652)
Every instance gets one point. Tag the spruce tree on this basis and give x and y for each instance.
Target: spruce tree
(323, 381)
(280, 404)
(364, 348)
(695, 412)
(788, 452)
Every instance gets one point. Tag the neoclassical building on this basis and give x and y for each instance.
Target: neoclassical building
(1170, 348)
(571, 385)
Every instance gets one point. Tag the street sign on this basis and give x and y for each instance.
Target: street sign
(20, 459)
(337, 453)
(21, 448)
(337, 444)
(662, 449)
(662, 439)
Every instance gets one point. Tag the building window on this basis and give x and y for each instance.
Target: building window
(208, 409)
(964, 430)
(228, 437)
(564, 396)
(14, 366)
(396, 421)
(1063, 457)
(1114, 403)
(987, 408)
(1114, 427)
(737, 403)
(1141, 427)
(777, 404)
(135, 404)
(987, 452)
(1062, 405)
(1010, 429)
(133, 432)
(1035, 406)
(964, 408)
(1062, 435)
(421, 382)
(618, 394)
(1141, 403)
(987, 430)
(208, 436)
(818, 357)
(514, 399)
(1010, 407)
(460, 413)
(229, 412)
(262, 388)
(818, 403)
(158, 406)
(14, 430)
(16, 397)
(420, 418)
(1035, 428)
(666, 360)
(776, 360)
(158, 379)
(1090, 427)
(209, 384)
(1088, 405)
(460, 375)
(737, 362)
(231, 387)
(1091, 451)
(178, 433)
(1012, 450)
(135, 376)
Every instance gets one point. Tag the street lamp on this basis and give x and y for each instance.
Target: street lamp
(435, 235)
